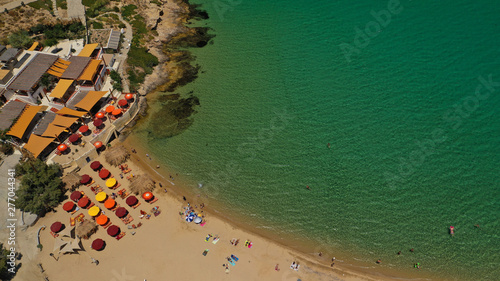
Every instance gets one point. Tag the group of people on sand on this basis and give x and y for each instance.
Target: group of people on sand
(295, 266)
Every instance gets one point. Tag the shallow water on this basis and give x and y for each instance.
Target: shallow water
(413, 147)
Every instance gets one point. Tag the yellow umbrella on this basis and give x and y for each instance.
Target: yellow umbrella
(94, 211)
(101, 196)
(111, 182)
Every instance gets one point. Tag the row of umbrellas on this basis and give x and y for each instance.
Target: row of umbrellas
(62, 147)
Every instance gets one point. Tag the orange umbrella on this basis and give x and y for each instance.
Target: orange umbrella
(62, 147)
(101, 220)
(110, 109)
(147, 196)
(98, 144)
(99, 115)
(129, 96)
(110, 203)
(116, 111)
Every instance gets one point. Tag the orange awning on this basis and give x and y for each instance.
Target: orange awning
(33, 47)
(58, 68)
(37, 144)
(61, 88)
(69, 111)
(53, 131)
(18, 129)
(87, 50)
(64, 121)
(90, 100)
(90, 70)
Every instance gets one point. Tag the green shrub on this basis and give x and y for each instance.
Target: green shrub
(128, 10)
(20, 39)
(97, 25)
(42, 4)
(6, 148)
(50, 42)
(62, 4)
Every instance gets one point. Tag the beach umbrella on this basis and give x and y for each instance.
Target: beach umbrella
(129, 96)
(98, 144)
(122, 102)
(98, 244)
(197, 220)
(97, 122)
(110, 109)
(111, 182)
(101, 196)
(83, 129)
(68, 206)
(62, 147)
(189, 218)
(131, 200)
(75, 195)
(110, 203)
(83, 202)
(116, 112)
(101, 220)
(99, 114)
(56, 227)
(147, 196)
(104, 173)
(95, 165)
(113, 230)
(85, 179)
(94, 211)
(121, 212)
(74, 138)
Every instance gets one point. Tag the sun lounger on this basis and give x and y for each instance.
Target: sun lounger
(72, 221)
(54, 234)
(107, 225)
(120, 236)
(154, 200)
(91, 205)
(136, 205)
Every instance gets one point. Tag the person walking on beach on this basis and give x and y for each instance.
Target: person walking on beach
(277, 268)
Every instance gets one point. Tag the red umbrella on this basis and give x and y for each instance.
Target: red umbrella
(98, 144)
(110, 109)
(131, 200)
(62, 147)
(75, 195)
(83, 129)
(122, 102)
(85, 179)
(95, 165)
(56, 227)
(129, 96)
(98, 244)
(147, 196)
(121, 212)
(68, 206)
(103, 173)
(99, 115)
(74, 137)
(98, 122)
(113, 230)
(83, 202)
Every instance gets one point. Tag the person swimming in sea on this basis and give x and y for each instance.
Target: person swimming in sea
(308, 187)
(328, 145)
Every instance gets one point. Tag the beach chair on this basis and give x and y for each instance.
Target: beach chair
(54, 234)
(136, 205)
(107, 225)
(72, 221)
(76, 210)
(154, 200)
(91, 205)
(120, 236)
(91, 183)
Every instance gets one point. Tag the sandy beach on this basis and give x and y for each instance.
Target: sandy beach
(166, 247)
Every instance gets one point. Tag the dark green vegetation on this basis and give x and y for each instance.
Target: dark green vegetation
(42, 4)
(41, 186)
(95, 7)
(20, 39)
(62, 4)
(4, 274)
(53, 33)
(117, 80)
(5, 147)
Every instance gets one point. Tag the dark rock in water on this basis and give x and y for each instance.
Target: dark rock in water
(174, 116)
(201, 44)
(161, 13)
(203, 15)
(158, 20)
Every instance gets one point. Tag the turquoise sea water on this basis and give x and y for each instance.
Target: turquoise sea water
(414, 134)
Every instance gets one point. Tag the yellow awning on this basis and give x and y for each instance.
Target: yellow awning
(58, 68)
(53, 130)
(71, 112)
(64, 121)
(61, 88)
(37, 144)
(18, 129)
(90, 100)
(90, 70)
(87, 50)
(33, 47)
